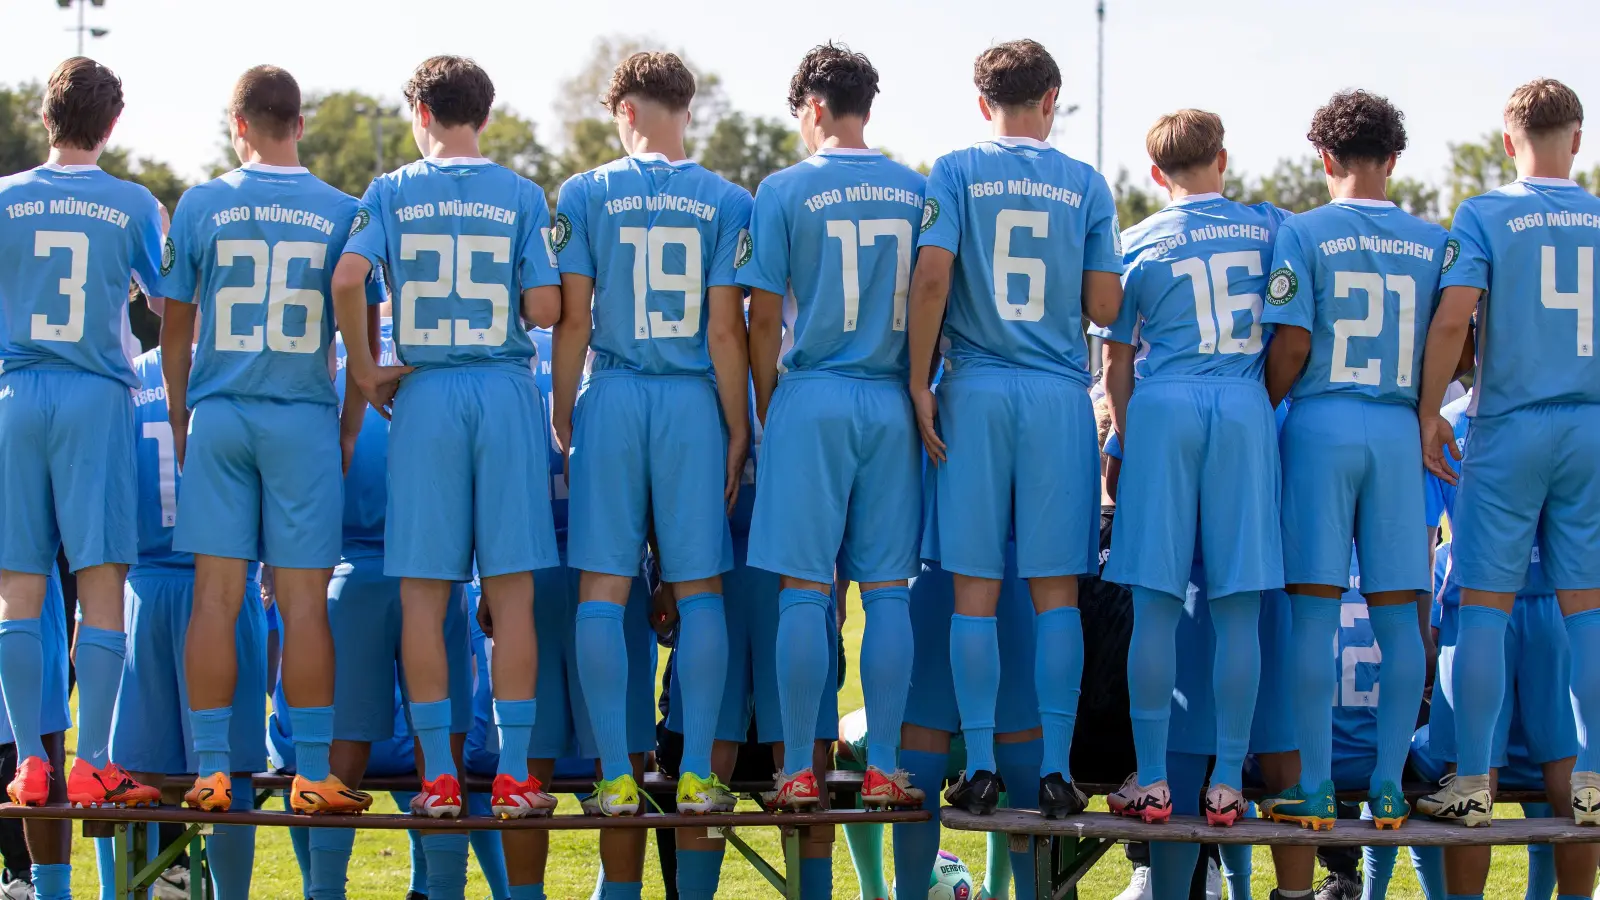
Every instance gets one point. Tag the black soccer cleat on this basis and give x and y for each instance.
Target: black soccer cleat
(1059, 797)
(978, 795)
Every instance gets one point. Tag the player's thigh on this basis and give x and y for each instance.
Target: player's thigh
(1057, 481)
(247, 728)
(609, 483)
(1323, 450)
(1017, 704)
(1153, 535)
(512, 527)
(554, 604)
(428, 525)
(92, 470)
(1272, 728)
(219, 501)
(885, 511)
(302, 487)
(931, 702)
(1571, 521)
(973, 510)
(150, 728)
(1391, 516)
(1504, 484)
(1543, 679)
(687, 456)
(365, 619)
(1240, 486)
(809, 463)
(27, 518)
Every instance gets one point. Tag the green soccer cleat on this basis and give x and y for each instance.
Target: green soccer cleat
(617, 797)
(1316, 811)
(703, 796)
(1388, 807)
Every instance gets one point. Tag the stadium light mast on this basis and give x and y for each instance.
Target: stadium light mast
(82, 28)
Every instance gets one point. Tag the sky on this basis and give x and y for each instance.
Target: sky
(1263, 65)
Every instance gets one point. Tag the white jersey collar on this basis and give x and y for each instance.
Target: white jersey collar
(459, 160)
(57, 167)
(1356, 201)
(1548, 182)
(848, 151)
(662, 158)
(1196, 198)
(265, 169)
(1008, 140)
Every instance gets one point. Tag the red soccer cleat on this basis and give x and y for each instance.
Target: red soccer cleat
(111, 786)
(439, 798)
(513, 799)
(31, 786)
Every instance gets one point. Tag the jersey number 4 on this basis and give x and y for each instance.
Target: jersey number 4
(1580, 301)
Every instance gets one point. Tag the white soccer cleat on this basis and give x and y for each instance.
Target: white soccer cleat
(1464, 799)
(1139, 887)
(1586, 798)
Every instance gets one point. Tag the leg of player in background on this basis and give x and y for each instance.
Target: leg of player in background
(1057, 677)
(1292, 866)
(510, 600)
(603, 662)
(1315, 612)
(1237, 868)
(1573, 864)
(700, 857)
(489, 850)
(1466, 869)
(925, 754)
(1541, 858)
(308, 668)
(446, 853)
(50, 841)
(802, 660)
(424, 603)
(211, 670)
(527, 852)
(1377, 864)
(1172, 865)
(1582, 612)
(1152, 675)
(816, 842)
(622, 849)
(331, 847)
(231, 849)
(1393, 615)
(975, 653)
(1020, 756)
(1479, 692)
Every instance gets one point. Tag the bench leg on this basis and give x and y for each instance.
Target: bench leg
(1059, 863)
(791, 861)
(762, 867)
(145, 877)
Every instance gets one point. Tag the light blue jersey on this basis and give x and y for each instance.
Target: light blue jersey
(654, 235)
(1355, 693)
(1025, 221)
(366, 485)
(459, 240)
(157, 466)
(835, 236)
(71, 239)
(256, 249)
(1192, 284)
(1363, 278)
(558, 473)
(1531, 246)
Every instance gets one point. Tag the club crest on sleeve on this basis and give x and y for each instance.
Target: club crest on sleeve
(560, 233)
(1452, 251)
(361, 221)
(1281, 287)
(745, 249)
(930, 213)
(169, 256)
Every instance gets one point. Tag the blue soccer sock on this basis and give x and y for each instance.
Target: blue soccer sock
(1377, 869)
(886, 647)
(527, 891)
(313, 735)
(231, 849)
(916, 844)
(1463, 897)
(514, 720)
(816, 878)
(1541, 857)
(1019, 765)
(419, 857)
(1583, 630)
(431, 721)
(209, 731)
(52, 882)
(603, 675)
(488, 849)
(1236, 868)
(21, 665)
(1480, 685)
(330, 861)
(1152, 676)
(1057, 675)
(1404, 670)
(802, 663)
(300, 842)
(1315, 626)
(702, 676)
(447, 865)
(975, 653)
(1172, 865)
(105, 859)
(699, 871)
(1235, 679)
(620, 890)
(1429, 865)
(98, 662)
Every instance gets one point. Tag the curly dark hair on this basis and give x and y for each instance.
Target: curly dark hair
(844, 81)
(1016, 73)
(1358, 126)
(454, 88)
(661, 77)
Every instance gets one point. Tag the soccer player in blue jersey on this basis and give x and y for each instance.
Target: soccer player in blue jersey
(1018, 241)
(252, 250)
(840, 478)
(463, 243)
(647, 246)
(71, 239)
(1535, 460)
(1352, 287)
(1201, 454)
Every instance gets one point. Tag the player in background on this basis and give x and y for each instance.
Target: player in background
(463, 243)
(71, 240)
(1201, 452)
(1352, 287)
(647, 246)
(839, 482)
(1018, 242)
(1535, 461)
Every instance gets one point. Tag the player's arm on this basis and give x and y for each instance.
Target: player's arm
(1118, 379)
(354, 413)
(1290, 310)
(1448, 334)
(766, 344)
(569, 347)
(541, 306)
(538, 269)
(728, 344)
(376, 383)
(1286, 359)
(177, 342)
(763, 268)
(1102, 256)
(930, 291)
(1102, 296)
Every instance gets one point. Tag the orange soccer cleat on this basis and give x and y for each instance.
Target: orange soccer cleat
(329, 796)
(88, 786)
(31, 786)
(211, 793)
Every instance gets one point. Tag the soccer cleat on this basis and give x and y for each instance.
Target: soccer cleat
(330, 796)
(1139, 886)
(1316, 811)
(513, 799)
(1463, 799)
(1586, 798)
(438, 799)
(31, 785)
(795, 793)
(1225, 806)
(891, 791)
(1388, 807)
(1152, 803)
(1059, 797)
(1339, 886)
(110, 786)
(977, 795)
(617, 797)
(703, 796)
(211, 793)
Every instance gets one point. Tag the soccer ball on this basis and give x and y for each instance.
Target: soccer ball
(950, 879)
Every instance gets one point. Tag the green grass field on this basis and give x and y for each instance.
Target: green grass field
(380, 868)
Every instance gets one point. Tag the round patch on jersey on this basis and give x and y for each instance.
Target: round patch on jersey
(930, 213)
(745, 250)
(560, 233)
(361, 221)
(1452, 251)
(169, 255)
(1281, 287)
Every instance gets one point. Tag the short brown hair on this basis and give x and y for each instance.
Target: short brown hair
(81, 102)
(269, 99)
(1182, 140)
(1542, 106)
(1016, 73)
(454, 88)
(661, 77)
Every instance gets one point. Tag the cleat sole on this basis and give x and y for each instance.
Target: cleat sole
(1388, 824)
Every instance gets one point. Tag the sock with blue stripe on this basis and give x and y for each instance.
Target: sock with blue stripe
(488, 849)
(886, 648)
(1235, 679)
(431, 721)
(603, 675)
(816, 878)
(231, 849)
(1057, 674)
(620, 890)
(1583, 629)
(313, 735)
(1315, 626)
(52, 882)
(1404, 670)
(527, 891)
(916, 844)
(1152, 677)
(699, 871)
(702, 660)
(1480, 685)
(802, 663)
(98, 662)
(975, 653)
(447, 865)
(209, 732)
(514, 720)
(21, 665)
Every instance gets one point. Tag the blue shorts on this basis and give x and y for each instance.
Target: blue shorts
(1272, 729)
(55, 712)
(1354, 773)
(150, 732)
(649, 449)
(1352, 468)
(1532, 469)
(1022, 451)
(1206, 454)
(261, 480)
(66, 470)
(468, 475)
(1517, 773)
(839, 482)
(932, 701)
(364, 616)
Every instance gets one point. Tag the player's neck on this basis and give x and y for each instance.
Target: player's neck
(283, 154)
(74, 156)
(845, 134)
(1359, 186)
(668, 145)
(1531, 165)
(456, 143)
(1028, 122)
(1197, 188)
